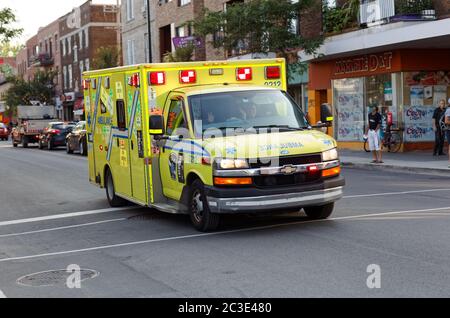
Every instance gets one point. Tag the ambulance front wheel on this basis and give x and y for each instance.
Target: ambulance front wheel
(114, 200)
(201, 216)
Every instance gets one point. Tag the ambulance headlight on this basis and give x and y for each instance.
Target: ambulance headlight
(227, 164)
(330, 155)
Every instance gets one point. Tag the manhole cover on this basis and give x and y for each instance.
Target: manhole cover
(53, 278)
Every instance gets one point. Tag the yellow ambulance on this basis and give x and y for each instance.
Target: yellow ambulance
(207, 139)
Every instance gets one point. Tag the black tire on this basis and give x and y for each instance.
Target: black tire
(82, 146)
(25, 142)
(320, 212)
(395, 143)
(113, 200)
(68, 149)
(201, 217)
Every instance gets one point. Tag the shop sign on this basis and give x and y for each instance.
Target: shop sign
(365, 64)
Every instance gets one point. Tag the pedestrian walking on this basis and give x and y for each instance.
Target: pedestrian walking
(447, 129)
(373, 134)
(438, 129)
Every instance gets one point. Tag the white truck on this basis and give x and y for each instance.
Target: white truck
(32, 122)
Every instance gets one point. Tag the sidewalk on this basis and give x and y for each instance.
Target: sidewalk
(415, 162)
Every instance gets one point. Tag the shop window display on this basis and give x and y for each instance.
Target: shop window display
(422, 92)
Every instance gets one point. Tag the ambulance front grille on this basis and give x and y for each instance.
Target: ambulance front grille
(284, 161)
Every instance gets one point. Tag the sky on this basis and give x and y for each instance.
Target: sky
(33, 14)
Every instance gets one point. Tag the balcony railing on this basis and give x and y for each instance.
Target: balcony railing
(42, 60)
(382, 11)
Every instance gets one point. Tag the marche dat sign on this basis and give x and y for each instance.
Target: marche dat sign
(372, 63)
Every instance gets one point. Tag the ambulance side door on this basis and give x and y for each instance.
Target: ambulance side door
(173, 153)
(136, 144)
(118, 154)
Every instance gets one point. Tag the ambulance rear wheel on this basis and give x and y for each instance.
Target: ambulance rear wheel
(114, 200)
(201, 216)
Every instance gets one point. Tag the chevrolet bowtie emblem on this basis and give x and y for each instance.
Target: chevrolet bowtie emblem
(287, 170)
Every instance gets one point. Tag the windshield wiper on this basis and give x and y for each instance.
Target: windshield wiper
(280, 127)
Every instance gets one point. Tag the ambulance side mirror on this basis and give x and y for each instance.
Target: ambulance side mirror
(326, 115)
(156, 125)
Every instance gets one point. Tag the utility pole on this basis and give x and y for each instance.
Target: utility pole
(119, 31)
(149, 26)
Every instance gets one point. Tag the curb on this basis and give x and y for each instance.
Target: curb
(404, 169)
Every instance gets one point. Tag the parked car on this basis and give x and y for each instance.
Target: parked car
(54, 135)
(4, 132)
(76, 140)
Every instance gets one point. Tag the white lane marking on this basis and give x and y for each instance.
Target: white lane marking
(66, 215)
(393, 193)
(104, 247)
(62, 228)
(2, 295)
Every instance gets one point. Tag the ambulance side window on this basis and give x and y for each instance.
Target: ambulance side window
(121, 118)
(176, 118)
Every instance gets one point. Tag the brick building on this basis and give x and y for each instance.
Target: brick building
(26, 57)
(82, 32)
(168, 18)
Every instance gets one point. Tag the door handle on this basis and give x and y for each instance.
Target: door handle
(132, 145)
(118, 143)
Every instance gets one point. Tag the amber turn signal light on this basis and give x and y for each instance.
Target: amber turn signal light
(232, 181)
(331, 172)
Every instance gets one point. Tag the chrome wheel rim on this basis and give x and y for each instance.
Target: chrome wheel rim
(197, 206)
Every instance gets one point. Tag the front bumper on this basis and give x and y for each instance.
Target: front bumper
(235, 201)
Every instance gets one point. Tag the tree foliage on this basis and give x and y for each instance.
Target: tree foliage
(106, 57)
(41, 88)
(181, 54)
(257, 26)
(337, 19)
(7, 30)
(8, 49)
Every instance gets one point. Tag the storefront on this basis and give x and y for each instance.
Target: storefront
(407, 83)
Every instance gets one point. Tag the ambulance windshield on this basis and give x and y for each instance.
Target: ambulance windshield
(247, 110)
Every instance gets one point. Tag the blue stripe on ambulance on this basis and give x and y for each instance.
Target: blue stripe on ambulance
(115, 133)
(133, 113)
(187, 147)
(97, 101)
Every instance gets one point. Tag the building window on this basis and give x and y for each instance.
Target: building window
(81, 68)
(183, 2)
(56, 43)
(86, 64)
(75, 54)
(69, 45)
(130, 10)
(180, 32)
(86, 38)
(65, 77)
(131, 53)
(80, 39)
(70, 76)
(63, 44)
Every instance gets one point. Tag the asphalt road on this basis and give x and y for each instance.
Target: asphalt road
(51, 217)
